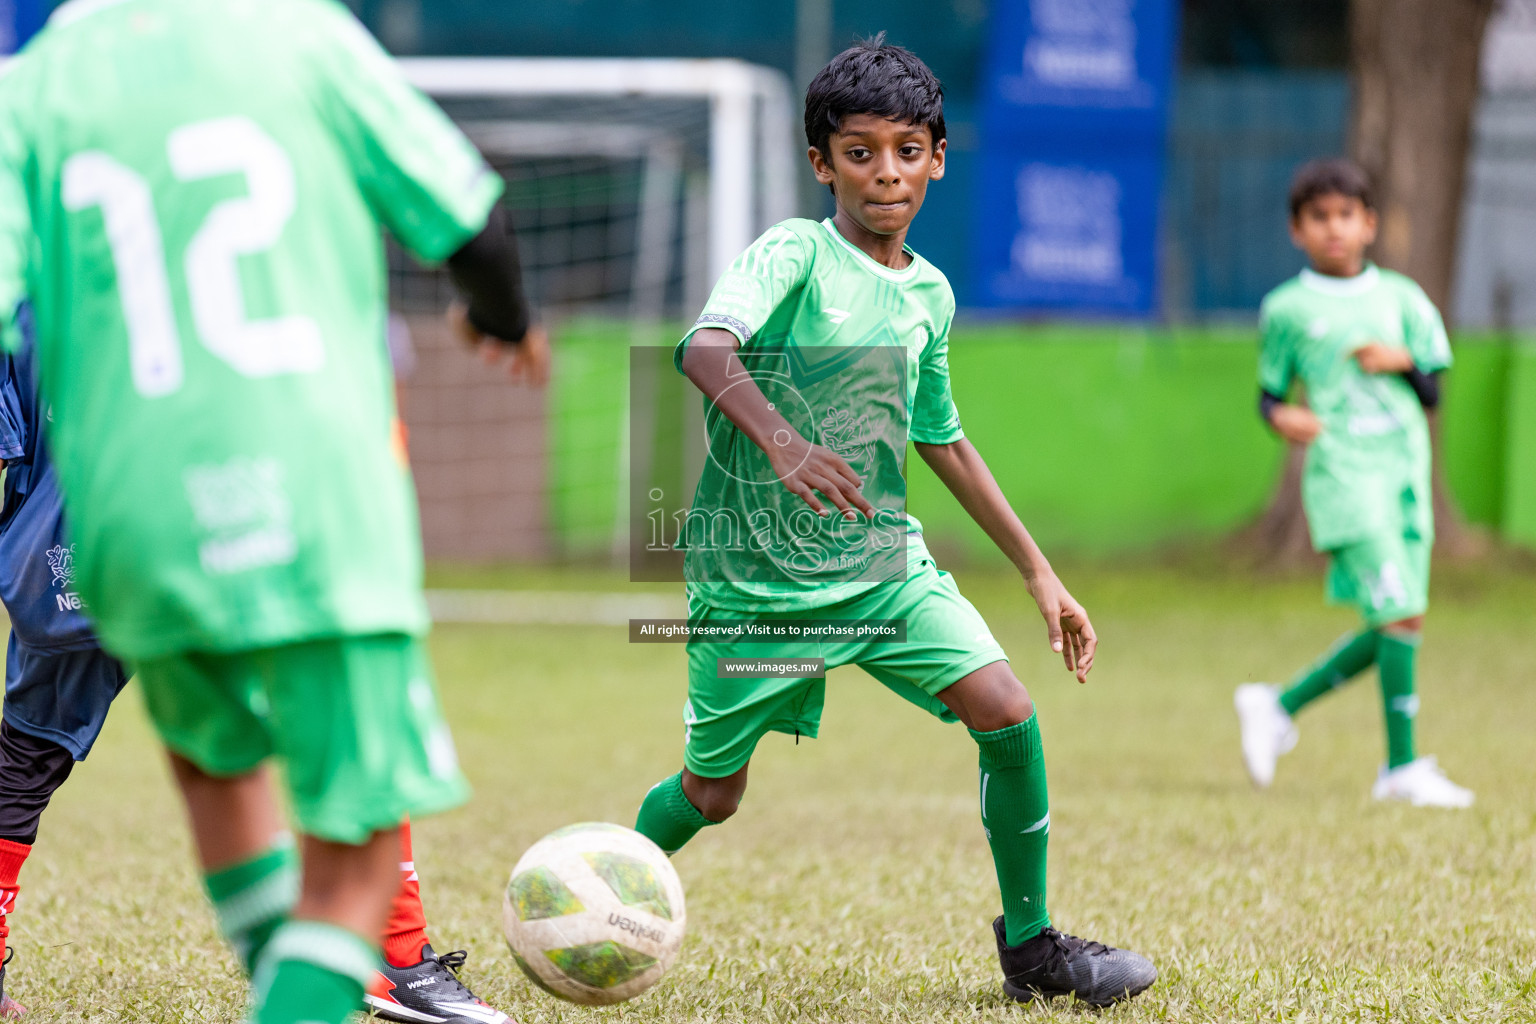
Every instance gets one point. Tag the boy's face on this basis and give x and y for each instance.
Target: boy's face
(879, 170)
(1334, 231)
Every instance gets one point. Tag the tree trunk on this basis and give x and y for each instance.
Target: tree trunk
(1416, 65)
(1415, 75)
(1414, 68)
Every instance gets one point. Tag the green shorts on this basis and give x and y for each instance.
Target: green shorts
(724, 718)
(1385, 577)
(355, 721)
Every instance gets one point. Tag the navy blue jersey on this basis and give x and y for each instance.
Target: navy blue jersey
(37, 562)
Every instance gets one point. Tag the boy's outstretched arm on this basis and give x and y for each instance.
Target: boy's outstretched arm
(710, 361)
(495, 316)
(960, 466)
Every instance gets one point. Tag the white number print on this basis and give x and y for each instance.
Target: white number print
(133, 233)
(235, 228)
(241, 226)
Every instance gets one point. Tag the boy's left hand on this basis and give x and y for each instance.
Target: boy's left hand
(1374, 357)
(1071, 634)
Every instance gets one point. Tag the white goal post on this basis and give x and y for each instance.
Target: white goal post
(753, 149)
(633, 184)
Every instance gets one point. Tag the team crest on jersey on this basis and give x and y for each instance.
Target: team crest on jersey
(846, 436)
(61, 560)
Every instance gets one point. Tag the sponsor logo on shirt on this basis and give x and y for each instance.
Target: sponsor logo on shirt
(61, 560)
(242, 507)
(1373, 424)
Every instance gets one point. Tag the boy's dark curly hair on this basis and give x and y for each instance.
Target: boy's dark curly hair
(1332, 177)
(873, 77)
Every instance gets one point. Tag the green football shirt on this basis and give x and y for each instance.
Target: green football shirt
(1367, 474)
(856, 357)
(190, 197)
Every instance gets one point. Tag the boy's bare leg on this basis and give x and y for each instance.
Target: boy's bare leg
(716, 799)
(237, 818)
(350, 886)
(250, 868)
(306, 954)
(680, 805)
(989, 699)
(233, 818)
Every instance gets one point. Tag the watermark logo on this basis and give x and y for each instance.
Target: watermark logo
(708, 505)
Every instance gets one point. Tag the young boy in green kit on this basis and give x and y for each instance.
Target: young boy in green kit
(1368, 346)
(191, 197)
(848, 331)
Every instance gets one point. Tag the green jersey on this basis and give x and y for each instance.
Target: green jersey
(856, 357)
(1367, 474)
(190, 197)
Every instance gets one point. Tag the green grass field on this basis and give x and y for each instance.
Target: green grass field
(855, 883)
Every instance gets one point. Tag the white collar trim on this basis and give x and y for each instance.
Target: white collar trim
(1342, 286)
(880, 269)
(72, 11)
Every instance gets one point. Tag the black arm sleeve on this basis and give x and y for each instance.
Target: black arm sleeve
(1267, 402)
(1425, 385)
(489, 274)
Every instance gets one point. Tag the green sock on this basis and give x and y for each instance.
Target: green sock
(667, 818)
(1396, 662)
(253, 897)
(1347, 658)
(311, 973)
(1016, 812)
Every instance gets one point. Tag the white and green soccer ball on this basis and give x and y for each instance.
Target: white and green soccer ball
(594, 913)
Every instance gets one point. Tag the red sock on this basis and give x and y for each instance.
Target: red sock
(12, 857)
(406, 931)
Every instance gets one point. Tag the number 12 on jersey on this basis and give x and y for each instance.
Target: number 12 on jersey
(241, 226)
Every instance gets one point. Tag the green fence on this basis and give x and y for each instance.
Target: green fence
(1107, 440)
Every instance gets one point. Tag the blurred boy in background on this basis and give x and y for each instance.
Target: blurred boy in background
(1368, 347)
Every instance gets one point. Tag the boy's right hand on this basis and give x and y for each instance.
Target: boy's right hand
(1296, 423)
(527, 361)
(808, 469)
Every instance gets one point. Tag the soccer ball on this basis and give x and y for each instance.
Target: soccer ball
(594, 913)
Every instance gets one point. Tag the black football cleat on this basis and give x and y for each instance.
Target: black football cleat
(429, 992)
(10, 1009)
(1052, 964)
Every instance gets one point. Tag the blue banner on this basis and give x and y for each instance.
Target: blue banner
(19, 21)
(1074, 120)
(1070, 230)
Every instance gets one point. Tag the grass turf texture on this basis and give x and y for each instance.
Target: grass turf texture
(855, 883)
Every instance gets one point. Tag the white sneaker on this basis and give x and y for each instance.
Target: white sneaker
(1267, 730)
(1422, 784)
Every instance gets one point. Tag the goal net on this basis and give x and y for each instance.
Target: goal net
(632, 184)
